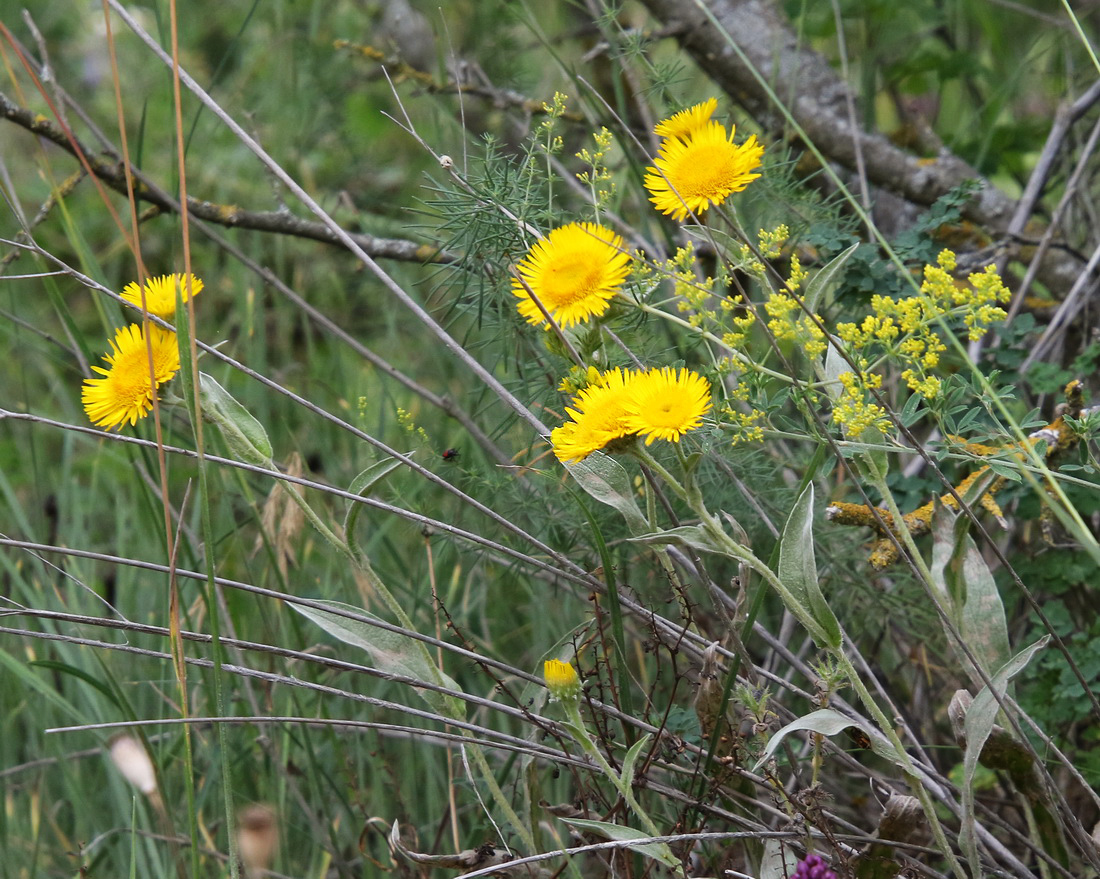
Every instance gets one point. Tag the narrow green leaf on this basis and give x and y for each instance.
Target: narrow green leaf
(978, 724)
(390, 652)
(65, 668)
(606, 480)
(368, 478)
(693, 536)
(966, 587)
(828, 722)
(244, 435)
(798, 569)
(835, 367)
(631, 758)
(363, 484)
(659, 851)
(827, 279)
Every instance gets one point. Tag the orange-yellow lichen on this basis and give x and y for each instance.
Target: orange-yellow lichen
(1058, 435)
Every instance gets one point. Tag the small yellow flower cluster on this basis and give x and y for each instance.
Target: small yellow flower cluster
(693, 291)
(853, 412)
(804, 330)
(742, 322)
(771, 241)
(698, 165)
(408, 421)
(976, 298)
(697, 294)
(748, 427)
(656, 404)
(928, 386)
(903, 327)
(544, 135)
(599, 172)
(138, 364)
(556, 108)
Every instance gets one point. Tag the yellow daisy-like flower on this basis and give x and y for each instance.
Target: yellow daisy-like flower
(562, 680)
(160, 294)
(574, 271)
(664, 404)
(599, 416)
(701, 170)
(125, 392)
(688, 121)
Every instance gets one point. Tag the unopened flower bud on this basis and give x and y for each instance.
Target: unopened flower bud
(562, 681)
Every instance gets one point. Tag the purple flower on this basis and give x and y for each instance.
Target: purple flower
(812, 867)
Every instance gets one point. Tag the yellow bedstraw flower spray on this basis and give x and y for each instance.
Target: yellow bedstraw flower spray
(701, 170)
(903, 328)
(160, 294)
(125, 392)
(574, 272)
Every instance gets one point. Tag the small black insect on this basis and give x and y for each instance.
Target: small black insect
(450, 454)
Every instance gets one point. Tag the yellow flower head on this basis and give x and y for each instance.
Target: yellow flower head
(160, 294)
(701, 170)
(125, 393)
(599, 416)
(562, 680)
(664, 404)
(687, 122)
(574, 271)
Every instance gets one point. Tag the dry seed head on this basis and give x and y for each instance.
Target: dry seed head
(257, 838)
(129, 755)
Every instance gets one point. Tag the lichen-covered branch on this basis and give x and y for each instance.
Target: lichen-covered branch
(277, 222)
(1057, 435)
(819, 101)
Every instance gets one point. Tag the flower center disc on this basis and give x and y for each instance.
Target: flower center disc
(702, 171)
(573, 279)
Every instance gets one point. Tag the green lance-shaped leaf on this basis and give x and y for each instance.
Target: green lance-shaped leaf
(827, 279)
(835, 367)
(363, 484)
(659, 851)
(693, 536)
(607, 481)
(390, 652)
(244, 435)
(696, 536)
(798, 574)
(630, 761)
(777, 861)
(966, 586)
(727, 246)
(978, 724)
(828, 722)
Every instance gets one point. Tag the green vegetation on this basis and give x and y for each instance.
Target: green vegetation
(576, 450)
